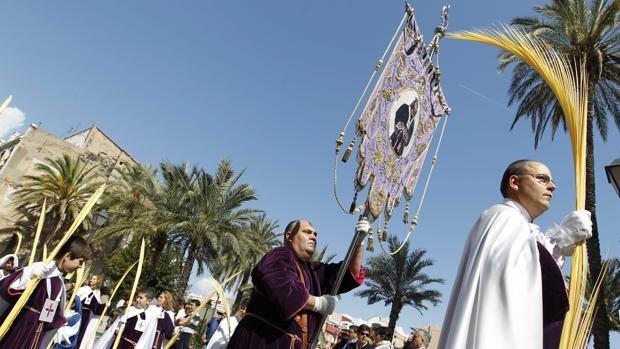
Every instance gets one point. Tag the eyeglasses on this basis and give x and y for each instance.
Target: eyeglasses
(540, 177)
(364, 334)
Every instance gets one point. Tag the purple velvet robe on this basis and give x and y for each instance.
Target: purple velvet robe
(555, 299)
(27, 331)
(130, 335)
(165, 328)
(96, 308)
(279, 295)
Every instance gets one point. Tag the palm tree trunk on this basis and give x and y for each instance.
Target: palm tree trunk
(394, 315)
(600, 328)
(186, 270)
(157, 246)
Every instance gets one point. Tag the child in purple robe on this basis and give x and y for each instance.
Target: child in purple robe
(165, 320)
(138, 324)
(92, 308)
(38, 321)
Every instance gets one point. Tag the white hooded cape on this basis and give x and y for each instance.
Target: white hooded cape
(219, 339)
(91, 327)
(107, 339)
(496, 299)
(4, 259)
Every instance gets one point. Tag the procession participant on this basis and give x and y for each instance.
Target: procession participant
(383, 335)
(189, 325)
(42, 316)
(421, 339)
(351, 343)
(220, 338)
(165, 321)
(137, 322)
(8, 263)
(67, 336)
(510, 291)
(363, 335)
(92, 307)
(213, 323)
(291, 292)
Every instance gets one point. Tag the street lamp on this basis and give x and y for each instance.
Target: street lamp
(613, 174)
(100, 218)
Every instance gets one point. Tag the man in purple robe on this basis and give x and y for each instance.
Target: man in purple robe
(42, 315)
(291, 292)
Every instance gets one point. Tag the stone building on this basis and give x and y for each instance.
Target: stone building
(21, 153)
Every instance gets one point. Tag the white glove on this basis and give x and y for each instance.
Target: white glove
(574, 228)
(39, 270)
(362, 228)
(325, 304)
(62, 338)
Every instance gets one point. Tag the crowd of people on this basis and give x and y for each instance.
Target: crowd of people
(148, 323)
(376, 336)
(509, 289)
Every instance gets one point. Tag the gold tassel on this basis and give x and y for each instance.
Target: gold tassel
(349, 150)
(384, 237)
(371, 242)
(406, 216)
(339, 142)
(379, 234)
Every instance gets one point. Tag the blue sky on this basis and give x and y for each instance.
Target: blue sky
(268, 85)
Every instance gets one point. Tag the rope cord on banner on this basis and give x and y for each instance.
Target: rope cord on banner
(340, 140)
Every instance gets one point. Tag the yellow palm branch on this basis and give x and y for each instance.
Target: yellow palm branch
(37, 234)
(5, 103)
(105, 309)
(121, 328)
(35, 281)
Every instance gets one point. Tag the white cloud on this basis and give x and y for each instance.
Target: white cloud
(203, 287)
(10, 120)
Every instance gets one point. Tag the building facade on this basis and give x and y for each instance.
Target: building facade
(21, 153)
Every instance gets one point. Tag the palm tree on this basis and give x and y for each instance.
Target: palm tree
(65, 184)
(207, 215)
(611, 284)
(587, 32)
(399, 280)
(133, 203)
(258, 237)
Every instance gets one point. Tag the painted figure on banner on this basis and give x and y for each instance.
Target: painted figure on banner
(405, 120)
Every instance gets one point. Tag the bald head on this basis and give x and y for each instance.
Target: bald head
(300, 236)
(529, 183)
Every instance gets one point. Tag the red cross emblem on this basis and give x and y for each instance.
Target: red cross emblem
(49, 309)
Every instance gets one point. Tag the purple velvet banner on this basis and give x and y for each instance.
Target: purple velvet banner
(397, 124)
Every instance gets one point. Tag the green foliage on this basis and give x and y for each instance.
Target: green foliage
(65, 184)
(399, 280)
(587, 34)
(164, 278)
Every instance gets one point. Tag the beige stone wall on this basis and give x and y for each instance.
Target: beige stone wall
(36, 145)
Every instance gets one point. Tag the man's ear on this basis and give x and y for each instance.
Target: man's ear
(513, 183)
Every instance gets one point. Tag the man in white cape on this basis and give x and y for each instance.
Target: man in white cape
(509, 291)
